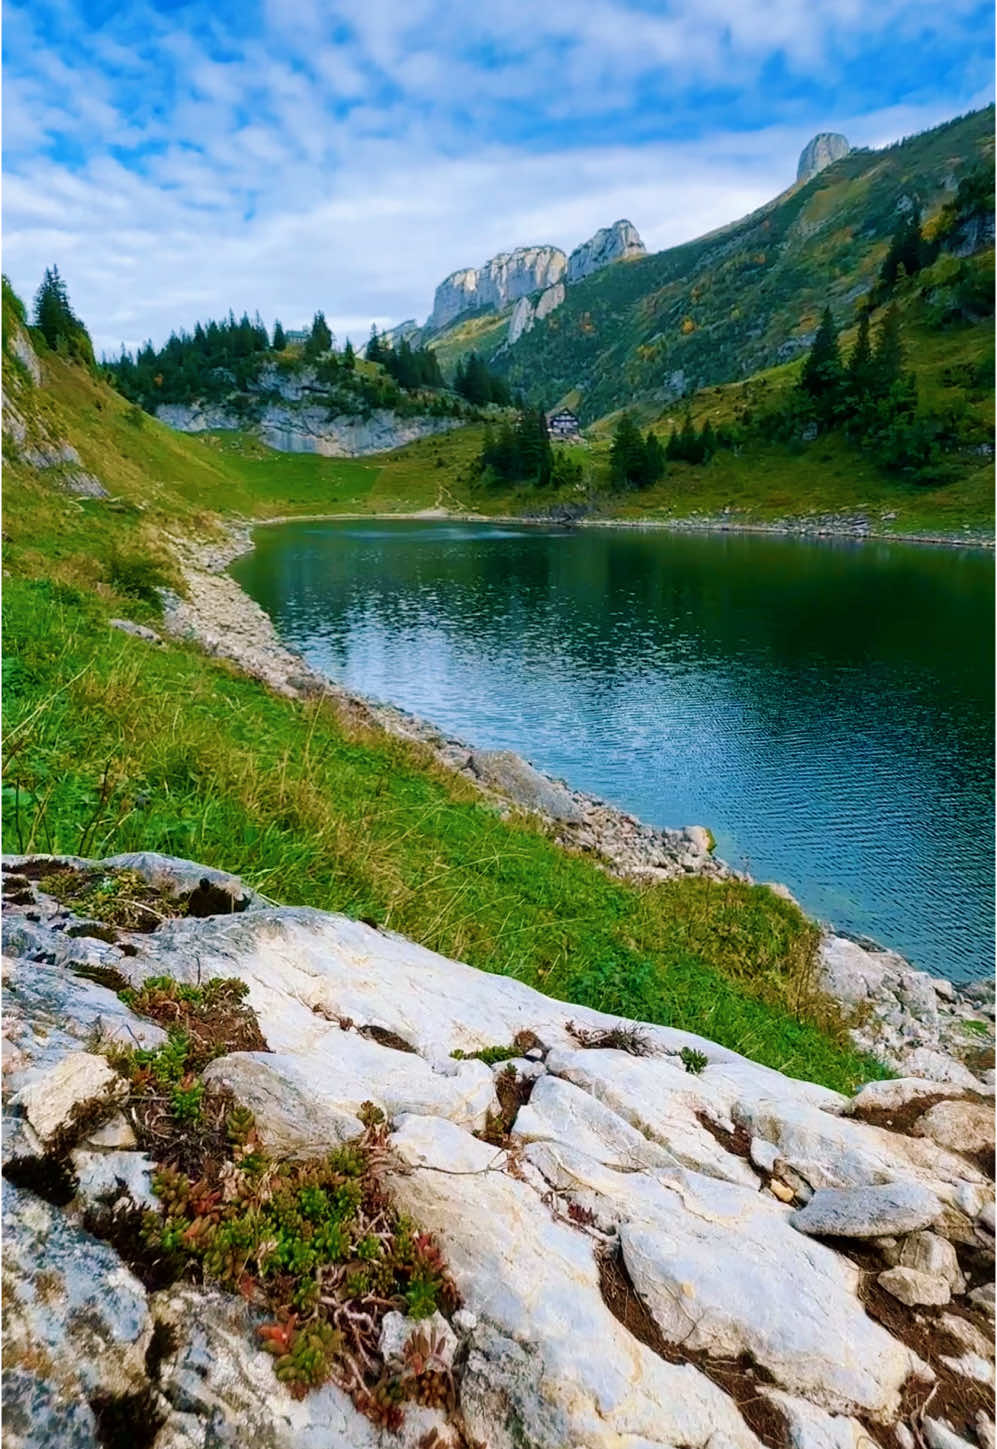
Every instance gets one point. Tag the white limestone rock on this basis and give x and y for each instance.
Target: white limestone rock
(929, 1253)
(105, 1177)
(502, 280)
(397, 1330)
(527, 313)
(897, 1092)
(616, 243)
(660, 1099)
(836, 1151)
(561, 1112)
(704, 1255)
(813, 1428)
(54, 1100)
(547, 1353)
(868, 1212)
(942, 1436)
(525, 786)
(822, 151)
(302, 427)
(958, 1126)
(219, 1377)
(76, 1321)
(914, 1288)
(116, 1134)
(300, 1096)
(939, 1067)
(140, 631)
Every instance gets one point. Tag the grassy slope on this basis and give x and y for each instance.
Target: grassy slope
(767, 481)
(723, 306)
(112, 745)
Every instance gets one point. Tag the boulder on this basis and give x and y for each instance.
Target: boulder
(940, 1435)
(221, 1389)
(958, 1126)
(140, 631)
(76, 1323)
(105, 1177)
(55, 1101)
(897, 1092)
(931, 1254)
(812, 1428)
(836, 1151)
(914, 1288)
(867, 1212)
(512, 776)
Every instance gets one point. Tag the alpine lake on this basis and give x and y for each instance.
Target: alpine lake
(826, 707)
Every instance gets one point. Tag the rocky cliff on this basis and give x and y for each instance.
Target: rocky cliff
(527, 312)
(515, 276)
(502, 280)
(825, 148)
(305, 428)
(615, 243)
(455, 1211)
(292, 411)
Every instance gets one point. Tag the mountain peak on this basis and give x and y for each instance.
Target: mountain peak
(826, 147)
(613, 243)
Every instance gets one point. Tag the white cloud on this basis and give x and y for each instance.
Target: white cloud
(365, 151)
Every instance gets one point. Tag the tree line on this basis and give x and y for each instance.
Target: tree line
(475, 381)
(411, 367)
(870, 397)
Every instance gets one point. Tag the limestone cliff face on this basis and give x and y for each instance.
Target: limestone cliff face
(293, 415)
(308, 428)
(502, 280)
(526, 313)
(614, 243)
(517, 276)
(825, 148)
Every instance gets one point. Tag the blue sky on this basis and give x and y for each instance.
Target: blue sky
(179, 158)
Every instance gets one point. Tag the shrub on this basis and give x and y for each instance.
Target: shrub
(139, 575)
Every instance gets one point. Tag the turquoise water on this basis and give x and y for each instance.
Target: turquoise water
(825, 707)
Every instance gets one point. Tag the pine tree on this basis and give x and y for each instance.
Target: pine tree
(349, 356)
(688, 441)
(58, 323)
(375, 348)
(822, 373)
(654, 459)
(320, 338)
(859, 376)
(279, 340)
(707, 442)
(888, 354)
(627, 453)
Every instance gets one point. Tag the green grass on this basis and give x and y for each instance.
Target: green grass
(113, 746)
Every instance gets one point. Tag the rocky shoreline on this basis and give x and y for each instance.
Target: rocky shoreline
(919, 1025)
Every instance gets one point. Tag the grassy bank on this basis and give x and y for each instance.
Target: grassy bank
(112, 745)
